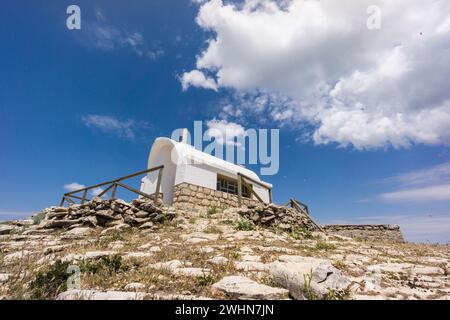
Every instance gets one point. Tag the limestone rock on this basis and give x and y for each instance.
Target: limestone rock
(191, 272)
(12, 257)
(79, 231)
(218, 260)
(238, 287)
(76, 294)
(6, 229)
(170, 265)
(137, 255)
(298, 273)
(135, 286)
(98, 254)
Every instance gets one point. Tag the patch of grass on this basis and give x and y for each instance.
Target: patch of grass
(307, 290)
(192, 220)
(338, 294)
(49, 283)
(112, 237)
(235, 255)
(300, 233)
(322, 245)
(339, 265)
(206, 279)
(244, 225)
(213, 210)
(268, 280)
(105, 266)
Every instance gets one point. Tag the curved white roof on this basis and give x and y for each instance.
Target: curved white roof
(185, 153)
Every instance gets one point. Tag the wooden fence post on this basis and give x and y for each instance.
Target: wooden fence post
(239, 189)
(158, 183)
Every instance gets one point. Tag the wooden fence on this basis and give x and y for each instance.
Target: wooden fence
(245, 180)
(81, 195)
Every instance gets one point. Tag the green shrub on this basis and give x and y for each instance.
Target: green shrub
(213, 210)
(300, 233)
(321, 245)
(49, 283)
(106, 266)
(244, 225)
(206, 279)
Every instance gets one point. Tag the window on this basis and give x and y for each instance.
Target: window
(230, 185)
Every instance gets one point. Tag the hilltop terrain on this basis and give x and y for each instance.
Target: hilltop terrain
(111, 249)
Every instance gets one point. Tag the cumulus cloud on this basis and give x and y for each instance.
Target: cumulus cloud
(197, 78)
(97, 191)
(122, 128)
(350, 85)
(224, 132)
(74, 186)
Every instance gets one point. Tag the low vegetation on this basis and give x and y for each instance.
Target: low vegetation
(244, 225)
(49, 283)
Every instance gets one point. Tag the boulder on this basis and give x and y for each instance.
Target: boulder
(135, 286)
(317, 276)
(97, 254)
(218, 260)
(53, 224)
(238, 287)
(79, 231)
(191, 272)
(6, 229)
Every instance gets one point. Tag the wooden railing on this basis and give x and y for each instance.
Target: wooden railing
(302, 208)
(242, 180)
(72, 197)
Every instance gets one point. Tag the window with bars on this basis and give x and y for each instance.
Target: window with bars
(230, 185)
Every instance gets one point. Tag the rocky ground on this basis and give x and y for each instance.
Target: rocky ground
(141, 250)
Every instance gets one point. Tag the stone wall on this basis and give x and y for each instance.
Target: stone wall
(381, 232)
(188, 196)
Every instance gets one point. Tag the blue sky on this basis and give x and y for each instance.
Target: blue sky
(84, 106)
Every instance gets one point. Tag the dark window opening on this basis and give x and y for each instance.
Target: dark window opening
(230, 185)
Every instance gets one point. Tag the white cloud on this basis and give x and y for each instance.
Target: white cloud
(74, 186)
(224, 132)
(424, 185)
(351, 85)
(108, 124)
(431, 193)
(103, 35)
(435, 174)
(197, 79)
(77, 186)
(97, 191)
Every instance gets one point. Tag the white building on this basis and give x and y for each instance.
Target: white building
(200, 179)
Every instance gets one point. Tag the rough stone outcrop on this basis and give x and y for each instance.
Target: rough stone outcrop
(383, 232)
(309, 278)
(238, 287)
(113, 214)
(283, 217)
